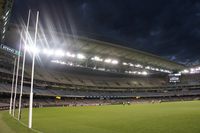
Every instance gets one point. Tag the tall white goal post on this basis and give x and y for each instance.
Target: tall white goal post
(12, 87)
(16, 72)
(16, 78)
(32, 73)
(23, 65)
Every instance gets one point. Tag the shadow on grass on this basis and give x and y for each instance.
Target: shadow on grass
(13, 124)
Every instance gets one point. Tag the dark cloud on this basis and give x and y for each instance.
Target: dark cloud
(167, 28)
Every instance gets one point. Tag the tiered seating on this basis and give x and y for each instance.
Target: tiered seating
(49, 81)
(191, 79)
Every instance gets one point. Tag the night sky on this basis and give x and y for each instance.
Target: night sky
(168, 28)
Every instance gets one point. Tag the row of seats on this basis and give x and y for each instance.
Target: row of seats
(190, 79)
(91, 93)
(61, 77)
(92, 81)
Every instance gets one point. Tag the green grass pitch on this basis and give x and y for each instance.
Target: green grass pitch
(173, 117)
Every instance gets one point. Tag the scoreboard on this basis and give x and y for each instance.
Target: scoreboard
(174, 78)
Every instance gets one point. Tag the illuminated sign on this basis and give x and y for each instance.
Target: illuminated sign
(10, 50)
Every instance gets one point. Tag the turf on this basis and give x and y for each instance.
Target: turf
(174, 117)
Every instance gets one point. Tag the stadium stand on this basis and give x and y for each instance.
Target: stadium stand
(58, 83)
(85, 84)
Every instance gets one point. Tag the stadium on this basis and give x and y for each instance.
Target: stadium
(85, 85)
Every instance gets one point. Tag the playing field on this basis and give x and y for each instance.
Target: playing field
(174, 117)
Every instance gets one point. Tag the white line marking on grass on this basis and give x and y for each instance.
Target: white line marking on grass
(35, 130)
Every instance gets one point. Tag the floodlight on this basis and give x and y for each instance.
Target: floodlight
(139, 73)
(186, 71)
(107, 60)
(124, 63)
(5, 22)
(32, 49)
(192, 70)
(59, 53)
(62, 62)
(161, 70)
(7, 12)
(71, 64)
(54, 61)
(96, 58)
(114, 62)
(4, 30)
(147, 67)
(80, 56)
(48, 51)
(59, 62)
(139, 66)
(144, 73)
(101, 69)
(130, 64)
(5, 18)
(197, 69)
(68, 54)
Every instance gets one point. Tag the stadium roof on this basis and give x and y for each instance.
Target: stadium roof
(96, 47)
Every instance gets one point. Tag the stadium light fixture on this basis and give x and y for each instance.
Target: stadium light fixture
(54, 61)
(139, 73)
(197, 69)
(59, 62)
(114, 62)
(32, 49)
(7, 13)
(134, 72)
(130, 64)
(124, 63)
(71, 64)
(68, 54)
(139, 66)
(4, 30)
(186, 71)
(96, 58)
(144, 73)
(101, 69)
(80, 56)
(147, 67)
(192, 70)
(5, 18)
(35, 49)
(59, 53)
(48, 52)
(107, 60)
(161, 70)
(5, 23)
